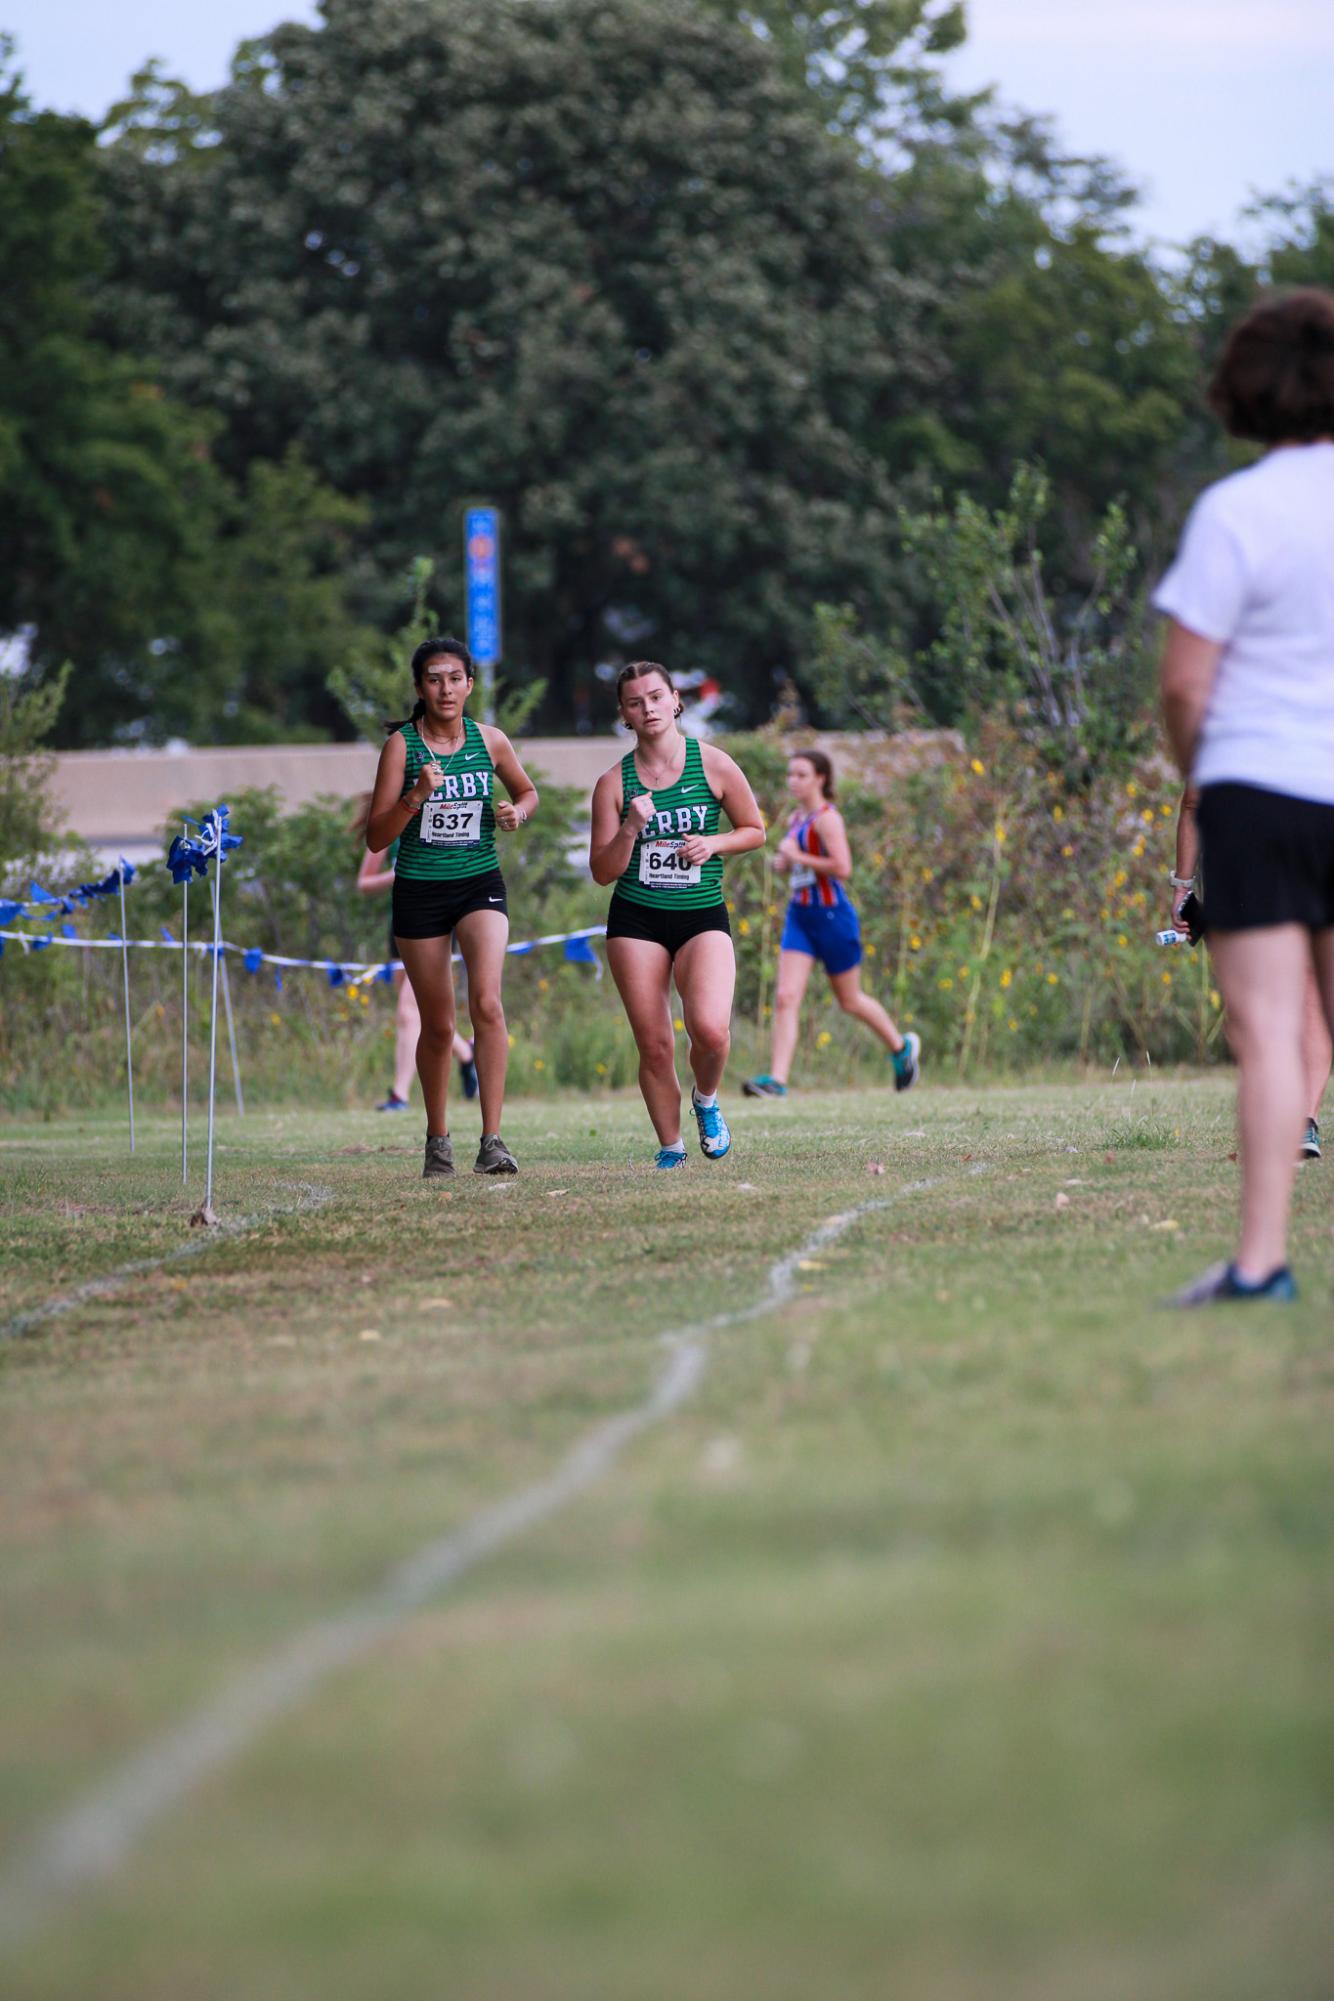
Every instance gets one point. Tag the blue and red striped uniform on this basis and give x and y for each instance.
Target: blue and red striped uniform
(810, 886)
(821, 917)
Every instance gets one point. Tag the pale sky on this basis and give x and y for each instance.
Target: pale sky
(1202, 101)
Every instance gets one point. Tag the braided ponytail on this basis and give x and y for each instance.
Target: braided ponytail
(418, 711)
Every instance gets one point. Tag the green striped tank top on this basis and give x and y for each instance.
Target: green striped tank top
(656, 874)
(453, 836)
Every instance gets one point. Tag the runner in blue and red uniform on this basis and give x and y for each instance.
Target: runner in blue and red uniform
(822, 924)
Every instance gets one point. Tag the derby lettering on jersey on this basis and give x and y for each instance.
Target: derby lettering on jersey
(681, 820)
(469, 785)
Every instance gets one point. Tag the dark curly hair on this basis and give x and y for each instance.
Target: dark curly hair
(1275, 377)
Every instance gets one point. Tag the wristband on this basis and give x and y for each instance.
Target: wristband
(1179, 881)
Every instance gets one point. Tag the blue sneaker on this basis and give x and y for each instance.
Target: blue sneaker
(393, 1103)
(907, 1067)
(715, 1136)
(1223, 1282)
(763, 1087)
(468, 1078)
(670, 1156)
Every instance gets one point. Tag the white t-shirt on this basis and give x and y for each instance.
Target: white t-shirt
(1255, 571)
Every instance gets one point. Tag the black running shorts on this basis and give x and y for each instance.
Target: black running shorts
(1267, 859)
(432, 909)
(669, 928)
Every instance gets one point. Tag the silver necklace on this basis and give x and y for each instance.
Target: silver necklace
(450, 750)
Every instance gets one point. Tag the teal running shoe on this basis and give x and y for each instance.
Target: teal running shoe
(763, 1087)
(1223, 1282)
(670, 1156)
(715, 1137)
(907, 1067)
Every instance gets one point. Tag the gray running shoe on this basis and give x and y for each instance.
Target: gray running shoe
(494, 1157)
(439, 1156)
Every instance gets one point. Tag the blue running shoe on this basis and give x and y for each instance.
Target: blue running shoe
(715, 1137)
(670, 1156)
(468, 1078)
(907, 1067)
(1224, 1282)
(763, 1087)
(393, 1103)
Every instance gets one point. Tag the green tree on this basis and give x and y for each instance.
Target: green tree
(28, 821)
(1059, 340)
(868, 63)
(595, 261)
(98, 474)
(189, 603)
(273, 611)
(1299, 224)
(1070, 664)
(374, 684)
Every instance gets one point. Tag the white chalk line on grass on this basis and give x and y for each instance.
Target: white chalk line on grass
(309, 1196)
(85, 1845)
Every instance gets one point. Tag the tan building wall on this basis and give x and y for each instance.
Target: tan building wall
(120, 800)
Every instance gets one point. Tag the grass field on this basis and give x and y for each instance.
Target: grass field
(965, 1636)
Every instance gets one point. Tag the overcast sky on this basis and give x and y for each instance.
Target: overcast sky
(1202, 101)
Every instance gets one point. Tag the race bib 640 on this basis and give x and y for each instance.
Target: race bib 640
(663, 866)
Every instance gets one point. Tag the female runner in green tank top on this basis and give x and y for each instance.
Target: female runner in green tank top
(655, 834)
(435, 795)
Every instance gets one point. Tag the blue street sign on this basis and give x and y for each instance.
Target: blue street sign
(481, 571)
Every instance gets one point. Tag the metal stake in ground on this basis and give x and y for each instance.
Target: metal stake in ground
(204, 1213)
(185, 1025)
(231, 1032)
(125, 968)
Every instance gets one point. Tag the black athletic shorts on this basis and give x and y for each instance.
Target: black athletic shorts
(432, 909)
(669, 928)
(1267, 859)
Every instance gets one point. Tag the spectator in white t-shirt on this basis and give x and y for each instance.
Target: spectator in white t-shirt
(1248, 700)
